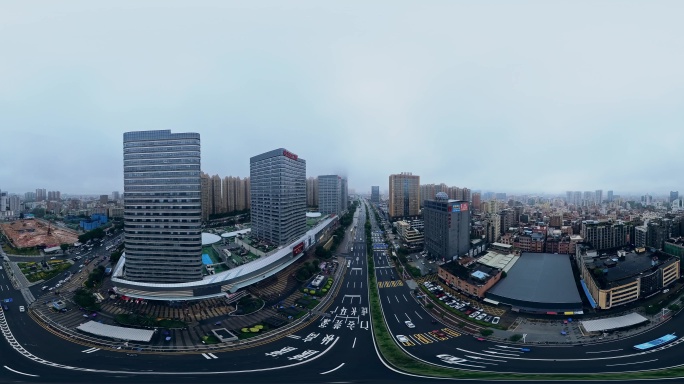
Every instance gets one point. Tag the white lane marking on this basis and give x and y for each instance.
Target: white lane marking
(416, 341)
(395, 316)
(332, 370)
(638, 362)
(395, 296)
(501, 353)
(354, 343)
(21, 373)
(483, 358)
(91, 350)
(294, 337)
(359, 287)
(612, 350)
(421, 317)
(388, 300)
(347, 284)
(504, 350)
(407, 316)
(405, 298)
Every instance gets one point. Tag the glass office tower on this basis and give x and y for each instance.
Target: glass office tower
(162, 207)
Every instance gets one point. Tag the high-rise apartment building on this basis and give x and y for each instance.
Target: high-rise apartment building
(598, 196)
(312, 192)
(330, 194)
(216, 195)
(205, 188)
(477, 202)
(493, 227)
(447, 227)
(162, 207)
(278, 196)
(4, 203)
(41, 194)
(54, 196)
(116, 195)
(404, 195)
(674, 195)
(14, 203)
(104, 199)
(375, 194)
(30, 196)
(604, 235)
(344, 195)
(609, 197)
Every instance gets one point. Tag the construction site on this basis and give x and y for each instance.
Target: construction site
(31, 233)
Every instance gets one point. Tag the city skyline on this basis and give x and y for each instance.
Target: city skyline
(468, 97)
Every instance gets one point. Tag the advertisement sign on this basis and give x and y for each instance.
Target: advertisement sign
(297, 249)
(456, 208)
(290, 155)
(464, 206)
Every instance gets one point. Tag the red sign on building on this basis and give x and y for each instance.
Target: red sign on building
(297, 249)
(290, 155)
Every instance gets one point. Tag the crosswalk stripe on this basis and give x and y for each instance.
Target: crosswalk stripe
(91, 350)
(294, 336)
(206, 356)
(212, 355)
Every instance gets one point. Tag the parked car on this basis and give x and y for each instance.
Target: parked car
(474, 314)
(488, 318)
(481, 316)
(496, 320)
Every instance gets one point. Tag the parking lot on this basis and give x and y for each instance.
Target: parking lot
(474, 310)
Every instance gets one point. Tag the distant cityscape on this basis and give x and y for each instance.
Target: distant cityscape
(167, 201)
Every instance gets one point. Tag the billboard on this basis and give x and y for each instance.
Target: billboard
(297, 249)
(290, 155)
(456, 208)
(464, 206)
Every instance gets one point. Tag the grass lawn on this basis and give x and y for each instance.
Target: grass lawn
(23, 251)
(40, 274)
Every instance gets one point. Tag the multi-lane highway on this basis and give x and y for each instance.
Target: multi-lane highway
(336, 346)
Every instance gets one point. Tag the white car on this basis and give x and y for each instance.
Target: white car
(474, 314)
(409, 324)
(450, 359)
(21, 308)
(496, 320)
(402, 339)
(481, 316)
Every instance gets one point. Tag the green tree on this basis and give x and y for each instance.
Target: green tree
(486, 332)
(64, 247)
(38, 212)
(515, 337)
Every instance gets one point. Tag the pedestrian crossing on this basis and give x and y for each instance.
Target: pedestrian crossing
(91, 350)
(390, 283)
(209, 356)
(430, 337)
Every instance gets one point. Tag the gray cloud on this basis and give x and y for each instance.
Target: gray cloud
(530, 96)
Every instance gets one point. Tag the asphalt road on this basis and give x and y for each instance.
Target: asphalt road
(337, 347)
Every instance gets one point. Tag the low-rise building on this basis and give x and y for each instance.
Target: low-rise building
(475, 279)
(624, 277)
(412, 237)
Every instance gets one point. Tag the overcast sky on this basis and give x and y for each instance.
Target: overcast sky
(509, 96)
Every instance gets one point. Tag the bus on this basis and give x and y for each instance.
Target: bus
(656, 343)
